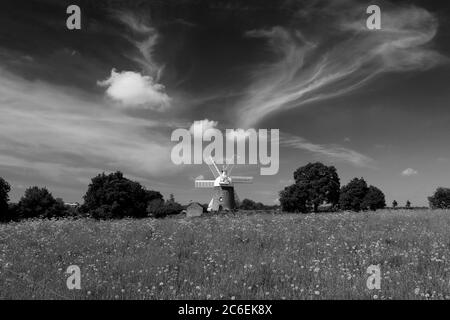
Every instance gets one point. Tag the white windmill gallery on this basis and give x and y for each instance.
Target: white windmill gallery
(223, 198)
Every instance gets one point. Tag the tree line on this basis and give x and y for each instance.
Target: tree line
(109, 196)
(316, 188)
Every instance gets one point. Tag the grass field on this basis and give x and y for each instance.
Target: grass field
(243, 256)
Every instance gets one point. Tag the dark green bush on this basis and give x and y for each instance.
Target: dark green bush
(40, 203)
(4, 199)
(160, 209)
(440, 199)
(294, 198)
(374, 199)
(352, 195)
(114, 196)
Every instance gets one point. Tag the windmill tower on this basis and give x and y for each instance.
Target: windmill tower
(223, 185)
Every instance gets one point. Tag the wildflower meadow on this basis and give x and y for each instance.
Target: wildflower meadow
(246, 255)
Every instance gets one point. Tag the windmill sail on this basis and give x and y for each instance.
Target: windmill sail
(204, 183)
(240, 179)
(229, 168)
(213, 170)
(213, 167)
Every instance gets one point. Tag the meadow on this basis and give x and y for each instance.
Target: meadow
(242, 256)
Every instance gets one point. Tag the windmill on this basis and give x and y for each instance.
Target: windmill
(223, 185)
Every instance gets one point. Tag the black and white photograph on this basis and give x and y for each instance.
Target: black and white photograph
(237, 152)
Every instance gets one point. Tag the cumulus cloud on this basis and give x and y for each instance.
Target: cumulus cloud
(199, 127)
(134, 89)
(409, 172)
(306, 71)
(138, 89)
(238, 134)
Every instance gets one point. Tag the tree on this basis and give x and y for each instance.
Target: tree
(13, 213)
(352, 195)
(394, 204)
(157, 208)
(321, 183)
(154, 205)
(259, 206)
(114, 196)
(440, 199)
(295, 198)
(247, 204)
(40, 203)
(172, 207)
(408, 204)
(374, 199)
(4, 199)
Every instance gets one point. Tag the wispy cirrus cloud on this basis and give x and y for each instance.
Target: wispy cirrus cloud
(144, 39)
(312, 70)
(57, 132)
(330, 152)
(132, 88)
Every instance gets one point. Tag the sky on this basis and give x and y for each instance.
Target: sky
(107, 97)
